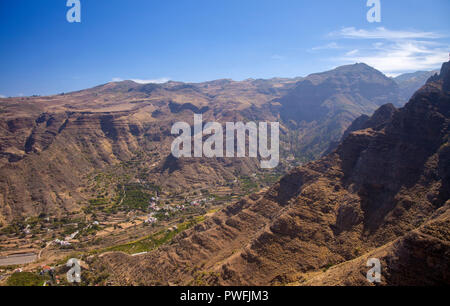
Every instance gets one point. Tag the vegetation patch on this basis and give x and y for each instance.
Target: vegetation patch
(21, 279)
(153, 241)
(248, 185)
(136, 197)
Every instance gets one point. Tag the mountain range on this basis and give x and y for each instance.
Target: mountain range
(52, 148)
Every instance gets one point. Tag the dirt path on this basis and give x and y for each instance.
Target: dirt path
(40, 252)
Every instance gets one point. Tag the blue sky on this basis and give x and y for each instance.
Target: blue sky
(200, 40)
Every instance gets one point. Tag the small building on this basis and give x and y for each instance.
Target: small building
(151, 220)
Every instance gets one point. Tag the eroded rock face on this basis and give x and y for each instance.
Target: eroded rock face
(382, 193)
(419, 258)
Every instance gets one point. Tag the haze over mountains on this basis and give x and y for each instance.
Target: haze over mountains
(51, 145)
(383, 193)
(409, 82)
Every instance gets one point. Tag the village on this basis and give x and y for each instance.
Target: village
(123, 212)
(38, 245)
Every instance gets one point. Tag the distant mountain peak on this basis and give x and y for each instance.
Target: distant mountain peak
(409, 83)
(358, 67)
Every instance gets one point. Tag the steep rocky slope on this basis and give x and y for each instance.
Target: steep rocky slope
(384, 192)
(421, 257)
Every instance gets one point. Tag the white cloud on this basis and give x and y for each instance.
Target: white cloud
(383, 33)
(155, 81)
(2, 96)
(278, 57)
(141, 81)
(392, 52)
(331, 45)
(401, 57)
(352, 52)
